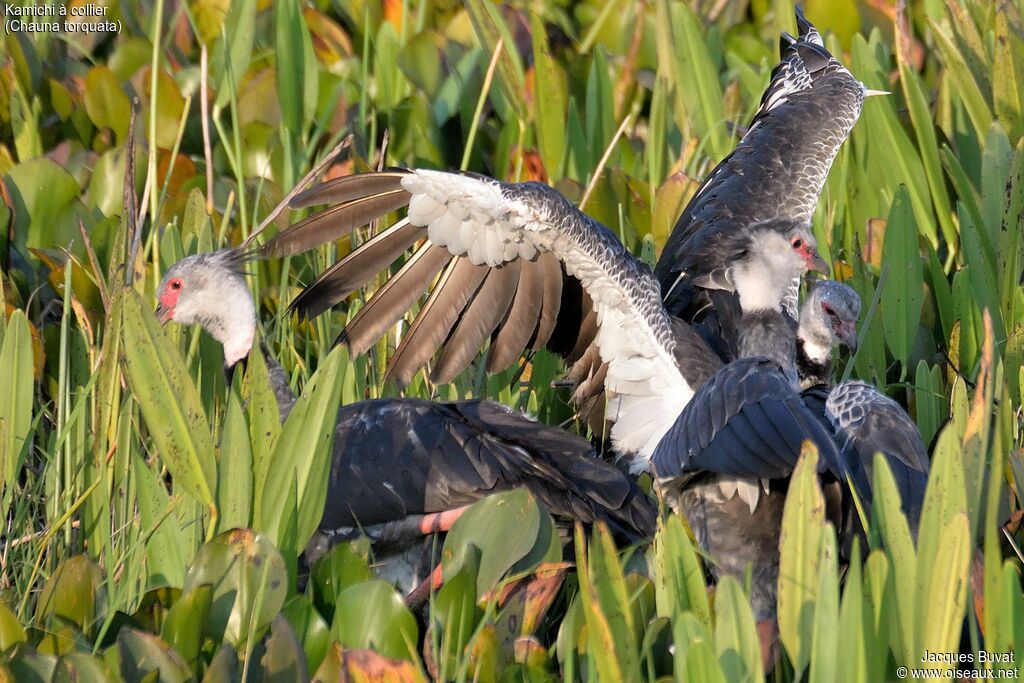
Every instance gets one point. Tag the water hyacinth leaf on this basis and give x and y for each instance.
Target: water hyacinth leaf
(679, 578)
(803, 520)
(11, 631)
(344, 565)
(79, 667)
(185, 621)
(105, 102)
(15, 396)
(143, 654)
(302, 456)
(283, 659)
(169, 401)
(223, 667)
(249, 583)
(900, 548)
(28, 666)
(372, 615)
(736, 641)
(312, 631)
(503, 528)
(455, 616)
(71, 594)
(901, 300)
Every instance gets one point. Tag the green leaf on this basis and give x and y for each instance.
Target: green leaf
(552, 101)
(296, 68)
(16, 366)
(679, 578)
(168, 550)
(346, 564)
(682, 48)
(230, 56)
(79, 667)
(312, 631)
(106, 103)
(71, 594)
(901, 300)
(900, 548)
(249, 583)
(490, 28)
(185, 621)
(11, 632)
(454, 615)
(694, 655)
(302, 457)
(964, 84)
(372, 615)
(234, 469)
(942, 615)
(1008, 75)
(503, 528)
(169, 401)
(803, 520)
(283, 661)
(824, 661)
(736, 641)
(42, 195)
(143, 654)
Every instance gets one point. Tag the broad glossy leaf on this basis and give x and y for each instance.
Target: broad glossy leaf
(71, 594)
(169, 401)
(143, 654)
(79, 667)
(168, 549)
(312, 631)
(284, 661)
(185, 622)
(11, 631)
(249, 583)
(372, 615)
(346, 564)
(901, 300)
(504, 528)
(105, 101)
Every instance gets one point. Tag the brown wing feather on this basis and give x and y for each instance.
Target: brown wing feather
(480, 318)
(521, 319)
(349, 187)
(356, 269)
(457, 285)
(552, 297)
(334, 223)
(392, 300)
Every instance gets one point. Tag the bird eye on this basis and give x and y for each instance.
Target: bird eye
(797, 243)
(175, 284)
(828, 309)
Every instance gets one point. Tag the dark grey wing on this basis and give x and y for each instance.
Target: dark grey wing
(399, 457)
(775, 173)
(746, 421)
(867, 422)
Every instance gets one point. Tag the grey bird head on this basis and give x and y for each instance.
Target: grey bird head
(828, 318)
(768, 262)
(209, 290)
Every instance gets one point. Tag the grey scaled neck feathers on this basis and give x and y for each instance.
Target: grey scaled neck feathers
(209, 290)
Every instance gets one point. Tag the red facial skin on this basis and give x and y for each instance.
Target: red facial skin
(810, 255)
(168, 299)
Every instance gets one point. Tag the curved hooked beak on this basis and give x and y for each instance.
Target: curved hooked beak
(847, 333)
(163, 313)
(817, 263)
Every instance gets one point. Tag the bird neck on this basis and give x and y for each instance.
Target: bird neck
(770, 334)
(814, 368)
